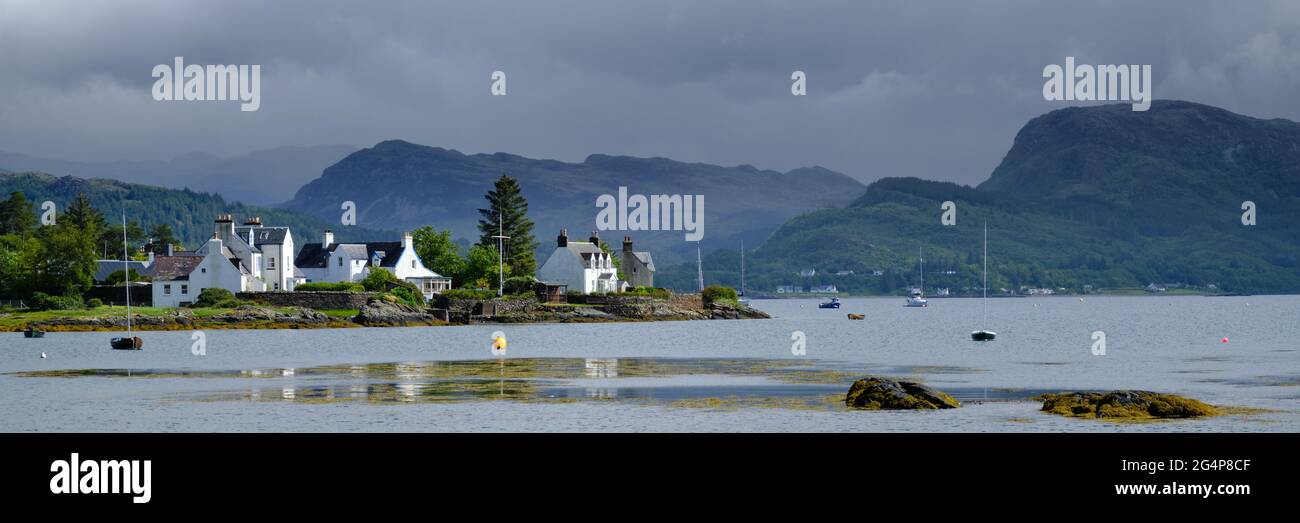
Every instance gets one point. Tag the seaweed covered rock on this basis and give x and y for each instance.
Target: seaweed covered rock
(1125, 405)
(380, 312)
(875, 393)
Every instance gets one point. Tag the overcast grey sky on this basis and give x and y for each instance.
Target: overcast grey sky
(900, 88)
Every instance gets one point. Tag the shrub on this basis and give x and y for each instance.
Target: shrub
(519, 284)
(408, 296)
(342, 286)
(94, 303)
(468, 294)
(653, 292)
(714, 293)
(378, 279)
(46, 302)
(218, 298)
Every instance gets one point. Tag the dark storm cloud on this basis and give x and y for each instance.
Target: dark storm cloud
(930, 89)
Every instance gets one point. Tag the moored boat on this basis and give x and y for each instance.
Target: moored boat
(829, 303)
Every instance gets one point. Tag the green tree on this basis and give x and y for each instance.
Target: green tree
(162, 236)
(438, 252)
(507, 213)
(481, 268)
(17, 215)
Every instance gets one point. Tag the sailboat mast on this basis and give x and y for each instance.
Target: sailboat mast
(742, 267)
(922, 262)
(699, 266)
(126, 271)
(986, 272)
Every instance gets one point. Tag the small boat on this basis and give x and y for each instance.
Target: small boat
(829, 303)
(916, 296)
(983, 335)
(125, 343)
(916, 299)
(855, 316)
(33, 332)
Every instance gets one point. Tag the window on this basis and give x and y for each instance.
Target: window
(185, 289)
(204, 270)
(276, 286)
(340, 262)
(167, 289)
(412, 264)
(270, 264)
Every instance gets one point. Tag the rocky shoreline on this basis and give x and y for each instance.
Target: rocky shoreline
(378, 312)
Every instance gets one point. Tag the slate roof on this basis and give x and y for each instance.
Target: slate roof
(103, 268)
(262, 235)
(645, 259)
(168, 268)
(313, 256)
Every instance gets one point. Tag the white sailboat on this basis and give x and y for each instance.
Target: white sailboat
(127, 342)
(916, 296)
(985, 335)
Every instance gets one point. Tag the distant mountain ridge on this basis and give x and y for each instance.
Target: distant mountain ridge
(191, 214)
(263, 177)
(400, 185)
(1097, 195)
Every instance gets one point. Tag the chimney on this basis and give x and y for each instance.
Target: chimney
(328, 240)
(169, 249)
(627, 244)
(225, 226)
(595, 239)
(408, 241)
(563, 239)
(255, 221)
(150, 258)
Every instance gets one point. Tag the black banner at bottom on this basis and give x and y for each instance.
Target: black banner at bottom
(141, 473)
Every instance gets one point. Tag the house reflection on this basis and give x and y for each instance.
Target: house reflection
(288, 393)
(600, 367)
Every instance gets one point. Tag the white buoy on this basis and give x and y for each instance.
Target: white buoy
(42, 355)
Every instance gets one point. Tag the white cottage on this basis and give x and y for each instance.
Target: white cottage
(582, 266)
(178, 279)
(328, 261)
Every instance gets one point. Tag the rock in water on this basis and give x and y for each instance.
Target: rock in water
(1125, 405)
(876, 393)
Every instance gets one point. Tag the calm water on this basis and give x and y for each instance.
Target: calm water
(675, 376)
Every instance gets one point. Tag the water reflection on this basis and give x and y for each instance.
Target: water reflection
(600, 367)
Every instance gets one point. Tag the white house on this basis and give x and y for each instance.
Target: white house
(277, 253)
(328, 261)
(178, 279)
(580, 265)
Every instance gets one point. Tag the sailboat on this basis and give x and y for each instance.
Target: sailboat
(742, 298)
(985, 335)
(916, 296)
(127, 342)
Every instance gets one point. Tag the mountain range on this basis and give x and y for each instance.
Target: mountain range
(400, 185)
(263, 177)
(1099, 196)
(190, 214)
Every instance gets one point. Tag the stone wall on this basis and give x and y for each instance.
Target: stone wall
(311, 300)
